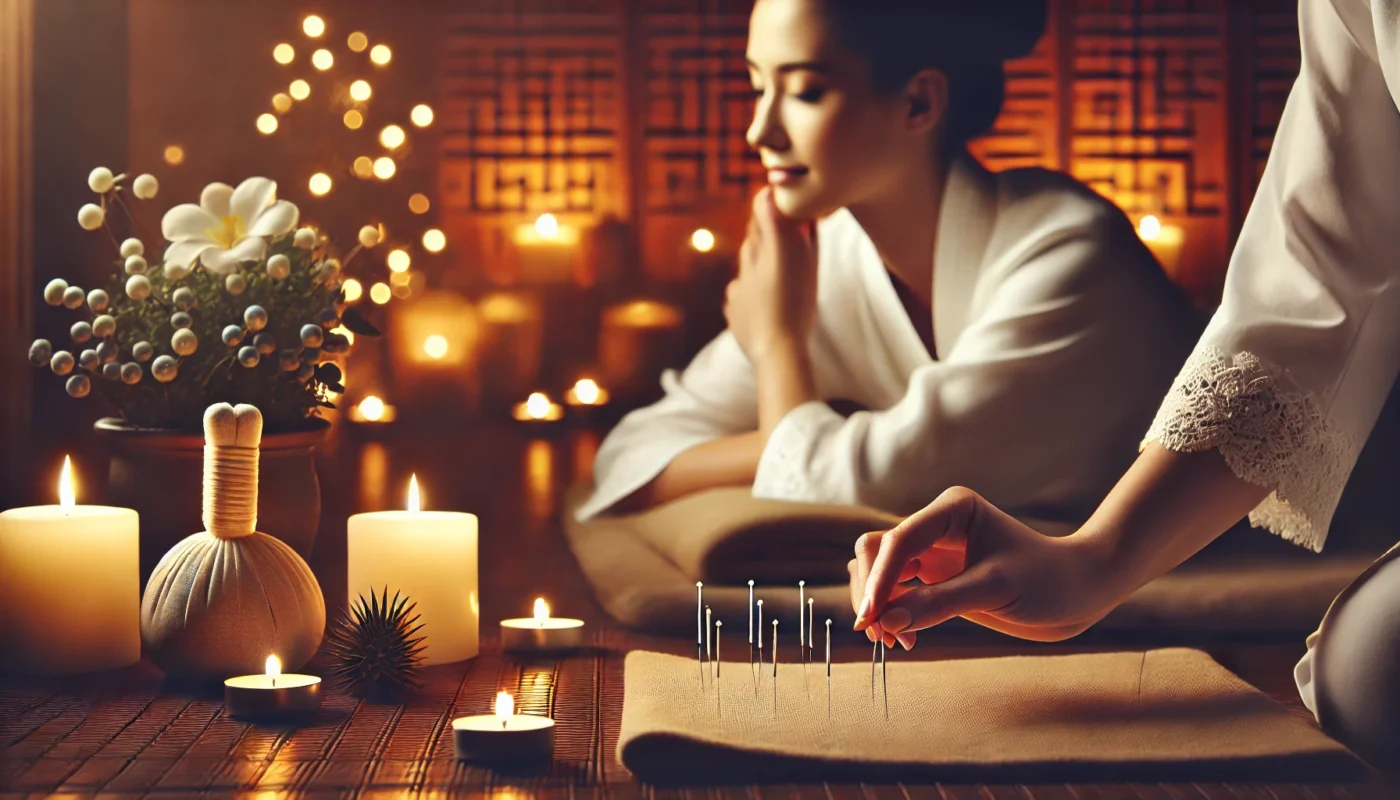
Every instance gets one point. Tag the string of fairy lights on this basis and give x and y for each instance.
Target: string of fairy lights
(316, 51)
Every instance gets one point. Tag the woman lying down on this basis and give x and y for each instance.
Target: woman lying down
(1006, 330)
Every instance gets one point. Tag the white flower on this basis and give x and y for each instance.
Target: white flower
(228, 226)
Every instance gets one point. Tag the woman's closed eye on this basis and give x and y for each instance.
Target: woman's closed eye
(810, 95)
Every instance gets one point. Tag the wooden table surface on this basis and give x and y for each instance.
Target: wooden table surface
(127, 734)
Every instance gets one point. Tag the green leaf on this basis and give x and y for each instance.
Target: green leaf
(356, 323)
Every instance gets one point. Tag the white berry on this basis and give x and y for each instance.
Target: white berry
(100, 180)
(53, 292)
(145, 186)
(132, 247)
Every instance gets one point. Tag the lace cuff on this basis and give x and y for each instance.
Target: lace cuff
(1269, 433)
(783, 469)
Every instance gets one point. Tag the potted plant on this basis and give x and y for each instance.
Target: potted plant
(243, 307)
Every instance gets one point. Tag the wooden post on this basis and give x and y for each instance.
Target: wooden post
(16, 237)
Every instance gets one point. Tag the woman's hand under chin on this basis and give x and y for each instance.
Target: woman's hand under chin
(771, 305)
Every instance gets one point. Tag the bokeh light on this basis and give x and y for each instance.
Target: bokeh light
(392, 136)
(267, 123)
(174, 154)
(313, 26)
(322, 59)
(300, 89)
(357, 42)
(380, 54)
(380, 293)
(384, 168)
(702, 240)
(283, 53)
(418, 203)
(352, 289)
(434, 240)
(320, 184)
(282, 102)
(399, 260)
(360, 91)
(421, 115)
(363, 167)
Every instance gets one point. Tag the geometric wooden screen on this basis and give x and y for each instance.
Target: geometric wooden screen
(1164, 106)
(1273, 66)
(529, 98)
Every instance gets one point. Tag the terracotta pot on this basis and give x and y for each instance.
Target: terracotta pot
(160, 473)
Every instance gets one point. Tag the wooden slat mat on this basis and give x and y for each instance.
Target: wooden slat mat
(127, 735)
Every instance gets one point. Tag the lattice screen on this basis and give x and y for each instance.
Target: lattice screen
(1133, 97)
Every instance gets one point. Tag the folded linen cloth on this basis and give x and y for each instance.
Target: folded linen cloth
(1160, 715)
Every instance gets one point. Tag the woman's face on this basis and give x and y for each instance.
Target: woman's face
(826, 137)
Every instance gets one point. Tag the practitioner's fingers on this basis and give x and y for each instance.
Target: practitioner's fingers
(950, 514)
(969, 592)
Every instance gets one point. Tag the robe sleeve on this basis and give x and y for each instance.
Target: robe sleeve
(715, 396)
(1294, 368)
(1034, 404)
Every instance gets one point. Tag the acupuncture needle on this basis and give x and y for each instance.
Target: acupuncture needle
(828, 669)
(775, 668)
(884, 677)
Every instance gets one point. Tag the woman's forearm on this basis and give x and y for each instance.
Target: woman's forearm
(784, 377)
(729, 461)
(1163, 510)
(785, 381)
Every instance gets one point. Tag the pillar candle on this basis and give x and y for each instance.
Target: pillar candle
(430, 556)
(70, 587)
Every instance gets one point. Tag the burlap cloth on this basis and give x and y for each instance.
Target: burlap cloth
(1167, 714)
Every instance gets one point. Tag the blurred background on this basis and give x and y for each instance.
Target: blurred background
(562, 184)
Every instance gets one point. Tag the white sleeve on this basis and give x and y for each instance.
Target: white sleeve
(1292, 371)
(714, 397)
(1035, 404)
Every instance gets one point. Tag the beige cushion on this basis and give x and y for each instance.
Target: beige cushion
(1171, 714)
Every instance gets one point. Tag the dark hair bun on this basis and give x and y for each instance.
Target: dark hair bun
(1019, 25)
(967, 39)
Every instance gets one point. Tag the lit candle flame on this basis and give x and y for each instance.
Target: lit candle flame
(541, 610)
(505, 706)
(1149, 228)
(547, 225)
(67, 497)
(414, 504)
(372, 408)
(537, 405)
(274, 666)
(703, 240)
(586, 390)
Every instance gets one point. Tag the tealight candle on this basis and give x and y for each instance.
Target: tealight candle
(429, 556)
(272, 695)
(586, 393)
(70, 586)
(504, 735)
(538, 408)
(546, 249)
(541, 632)
(372, 410)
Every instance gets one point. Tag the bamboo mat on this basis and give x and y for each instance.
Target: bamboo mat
(128, 735)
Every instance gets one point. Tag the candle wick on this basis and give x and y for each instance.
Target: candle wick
(503, 722)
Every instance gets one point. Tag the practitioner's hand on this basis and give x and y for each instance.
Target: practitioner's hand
(771, 305)
(981, 564)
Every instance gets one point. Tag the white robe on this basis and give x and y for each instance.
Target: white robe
(1055, 332)
(1293, 369)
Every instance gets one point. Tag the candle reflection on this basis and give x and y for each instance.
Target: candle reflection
(539, 478)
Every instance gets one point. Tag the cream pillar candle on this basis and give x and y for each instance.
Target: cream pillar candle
(70, 586)
(430, 556)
